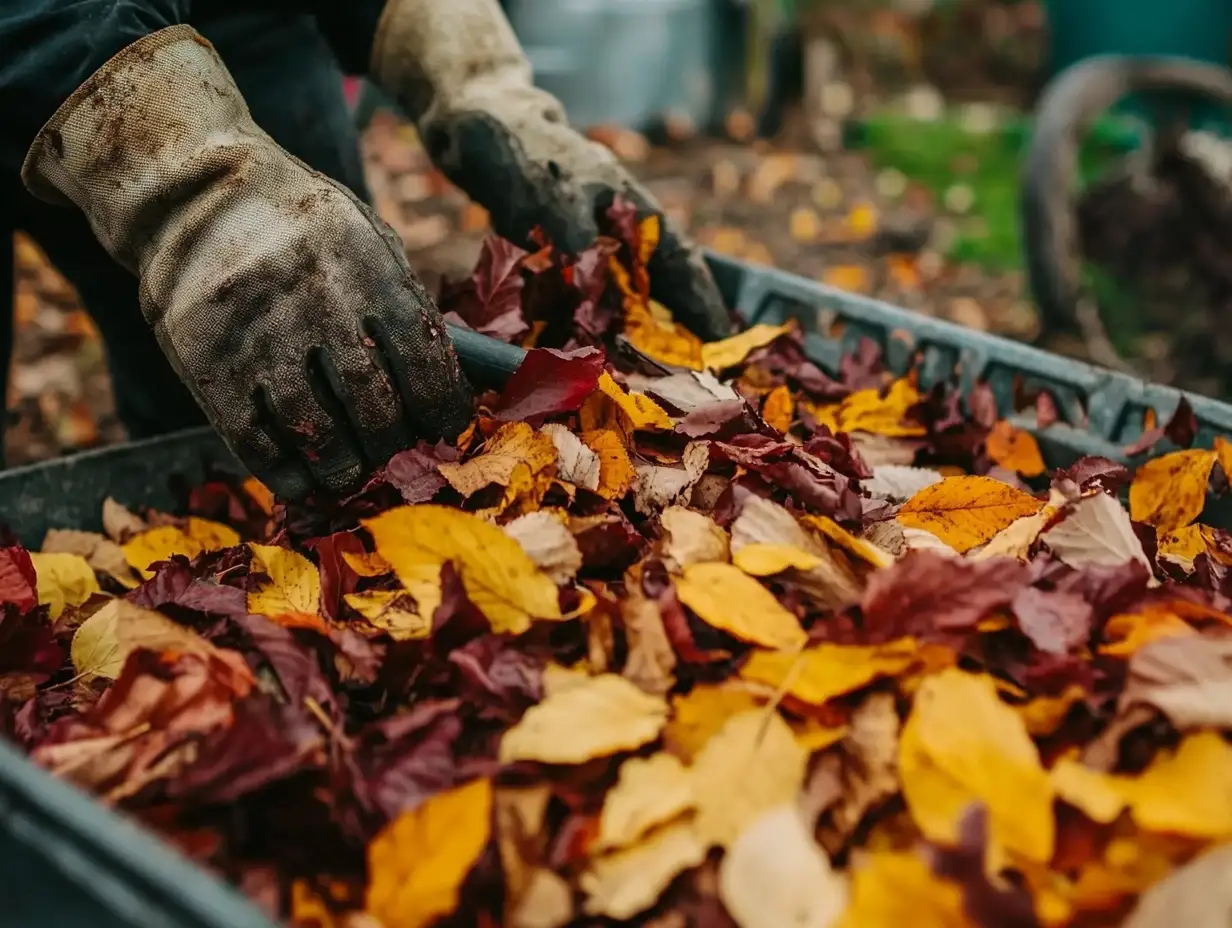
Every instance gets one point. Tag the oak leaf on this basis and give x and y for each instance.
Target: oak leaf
(499, 577)
(1169, 491)
(596, 717)
(966, 511)
(419, 861)
(63, 580)
(751, 765)
(724, 596)
(962, 745)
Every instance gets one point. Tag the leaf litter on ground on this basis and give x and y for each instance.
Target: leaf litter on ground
(732, 641)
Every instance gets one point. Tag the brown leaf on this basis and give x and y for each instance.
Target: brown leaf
(659, 486)
(651, 663)
(119, 523)
(869, 764)
(100, 552)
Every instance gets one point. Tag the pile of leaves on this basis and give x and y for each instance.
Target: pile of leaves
(675, 634)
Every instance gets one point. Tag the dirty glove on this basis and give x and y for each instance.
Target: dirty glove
(284, 303)
(456, 67)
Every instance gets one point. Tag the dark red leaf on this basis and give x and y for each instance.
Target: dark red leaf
(862, 370)
(491, 301)
(337, 577)
(839, 452)
(1095, 473)
(1181, 429)
(28, 643)
(927, 594)
(548, 382)
(414, 472)
(813, 483)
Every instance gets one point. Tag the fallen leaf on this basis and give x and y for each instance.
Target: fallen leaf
(871, 411)
(611, 407)
(779, 409)
(1182, 545)
(598, 717)
(500, 578)
(823, 672)
(899, 483)
(1187, 677)
(291, 594)
(549, 543)
(890, 889)
(1197, 895)
(651, 662)
(100, 552)
(1169, 491)
(868, 761)
(576, 463)
(159, 544)
(688, 391)
(418, 862)
(751, 765)
(549, 382)
(966, 511)
(63, 580)
(393, 611)
(1128, 632)
(731, 351)
(622, 884)
(616, 473)
(1014, 449)
(775, 875)
(691, 538)
(516, 446)
(699, 715)
(766, 560)
(961, 745)
(860, 547)
(103, 642)
(1095, 531)
(724, 596)
(650, 792)
(658, 487)
(120, 523)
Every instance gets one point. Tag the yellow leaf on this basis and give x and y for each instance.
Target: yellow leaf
(367, 564)
(1186, 792)
(731, 351)
(966, 511)
(869, 411)
(419, 861)
(1186, 543)
(669, 342)
(826, 671)
(622, 884)
(517, 458)
(962, 744)
(260, 494)
(211, 536)
(862, 220)
(850, 277)
(1101, 797)
(292, 593)
(776, 874)
(63, 580)
(499, 577)
(392, 611)
(813, 736)
(1169, 491)
(1127, 633)
(103, 642)
(1015, 449)
(699, 714)
(861, 548)
(159, 544)
(779, 410)
(724, 596)
(616, 472)
(893, 889)
(595, 717)
(751, 765)
(610, 407)
(766, 560)
(1043, 715)
(1223, 451)
(650, 792)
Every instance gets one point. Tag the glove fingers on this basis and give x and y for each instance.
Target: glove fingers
(260, 447)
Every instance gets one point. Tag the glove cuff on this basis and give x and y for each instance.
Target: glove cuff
(444, 57)
(131, 136)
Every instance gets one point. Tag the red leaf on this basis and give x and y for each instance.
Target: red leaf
(18, 582)
(810, 480)
(337, 577)
(1095, 473)
(414, 472)
(491, 301)
(924, 593)
(548, 382)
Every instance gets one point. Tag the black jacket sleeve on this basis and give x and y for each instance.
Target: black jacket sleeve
(49, 47)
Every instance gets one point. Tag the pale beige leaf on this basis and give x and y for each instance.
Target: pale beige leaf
(622, 884)
(897, 483)
(830, 584)
(752, 764)
(650, 792)
(659, 486)
(691, 538)
(869, 763)
(685, 391)
(549, 543)
(576, 463)
(918, 539)
(1197, 895)
(546, 902)
(651, 662)
(120, 523)
(598, 717)
(888, 535)
(103, 554)
(776, 876)
(1187, 678)
(103, 642)
(1095, 532)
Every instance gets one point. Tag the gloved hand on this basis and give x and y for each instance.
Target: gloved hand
(284, 303)
(456, 67)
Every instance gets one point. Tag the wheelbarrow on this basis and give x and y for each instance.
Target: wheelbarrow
(1163, 65)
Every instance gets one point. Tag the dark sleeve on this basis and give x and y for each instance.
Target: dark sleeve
(349, 25)
(49, 47)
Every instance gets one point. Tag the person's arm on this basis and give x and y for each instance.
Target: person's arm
(285, 303)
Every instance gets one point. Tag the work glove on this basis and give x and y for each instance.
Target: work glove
(285, 304)
(455, 66)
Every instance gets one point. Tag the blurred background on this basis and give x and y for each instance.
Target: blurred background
(874, 145)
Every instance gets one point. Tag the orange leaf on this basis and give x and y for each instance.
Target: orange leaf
(1223, 450)
(1015, 449)
(869, 411)
(779, 408)
(1170, 491)
(966, 511)
(616, 472)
